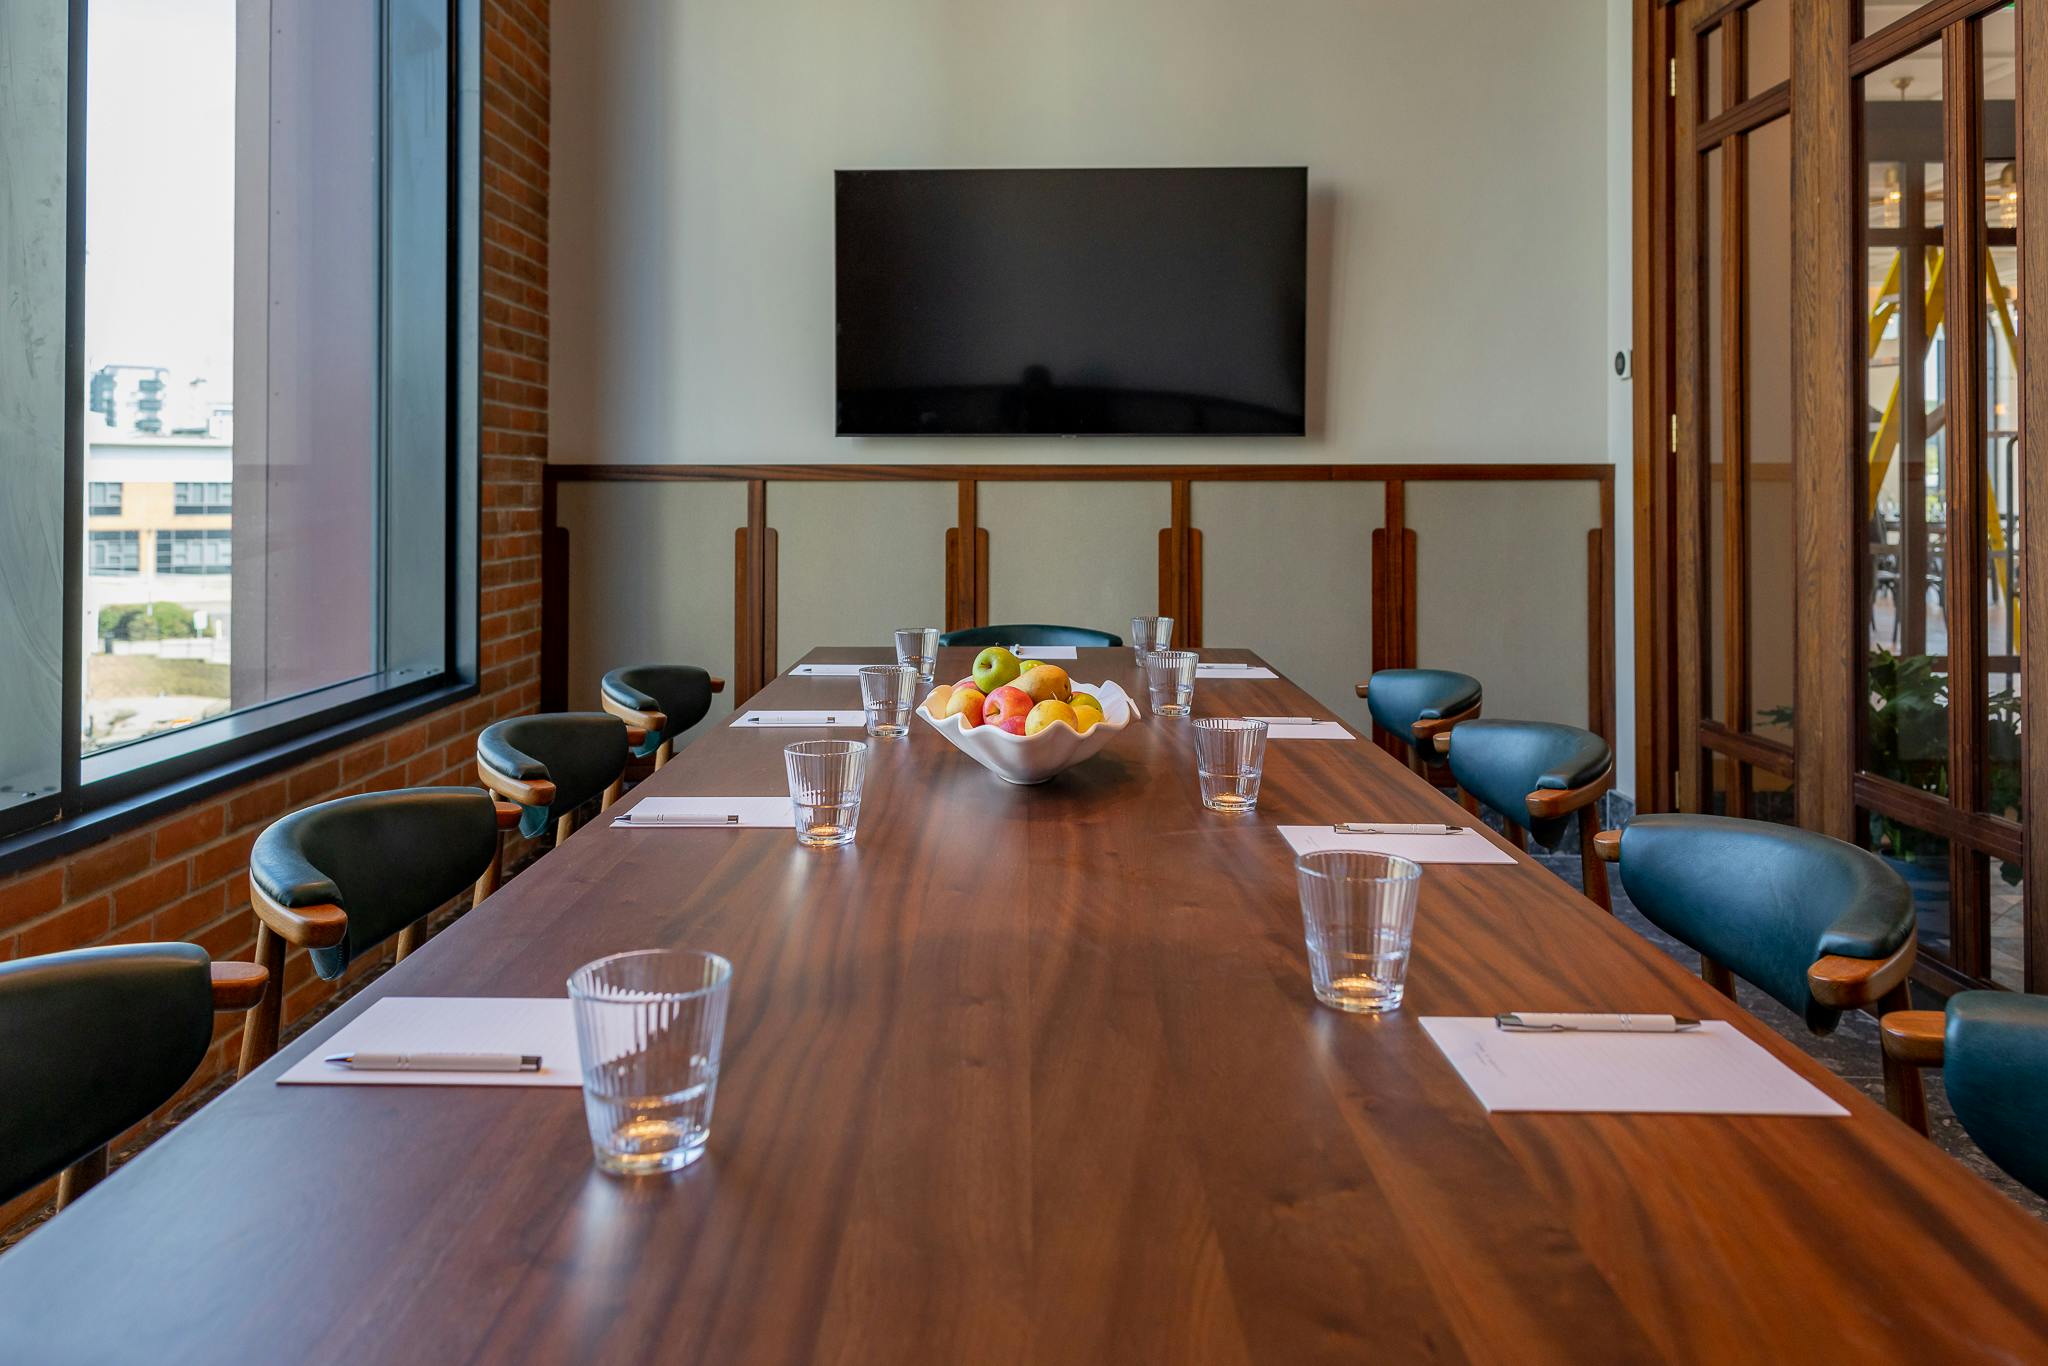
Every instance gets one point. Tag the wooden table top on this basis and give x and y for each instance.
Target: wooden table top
(1035, 1075)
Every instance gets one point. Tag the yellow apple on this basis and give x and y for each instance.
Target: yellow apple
(1086, 699)
(1086, 719)
(1047, 712)
(1047, 682)
(966, 703)
(935, 701)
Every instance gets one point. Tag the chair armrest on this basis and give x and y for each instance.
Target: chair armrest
(636, 736)
(717, 683)
(1438, 728)
(237, 986)
(1548, 802)
(1851, 983)
(1607, 844)
(1358, 688)
(309, 927)
(646, 720)
(1915, 1036)
(509, 814)
(538, 792)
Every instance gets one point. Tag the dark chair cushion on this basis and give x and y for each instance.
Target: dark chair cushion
(581, 752)
(1995, 1064)
(386, 858)
(95, 1040)
(982, 636)
(1765, 901)
(1398, 698)
(1502, 762)
(680, 692)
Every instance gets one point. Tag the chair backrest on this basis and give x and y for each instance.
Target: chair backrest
(1765, 901)
(1501, 762)
(1995, 1065)
(980, 636)
(95, 1040)
(386, 858)
(581, 752)
(1398, 698)
(680, 692)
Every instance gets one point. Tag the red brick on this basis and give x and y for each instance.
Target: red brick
(362, 761)
(189, 831)
(187, 916)
(33, 894)
(313, 783)
(260, 803)
(153, 890)
(403, 744)
(72, 929)
(228, 858)
(105, 864)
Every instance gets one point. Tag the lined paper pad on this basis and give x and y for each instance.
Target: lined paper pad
(1297, 730)
(1471, 847)
(845, 716)
(451, 1024)
(761, 813)
(1233, 671)
(835, 670)
(1712, 1070)
(1044, 652)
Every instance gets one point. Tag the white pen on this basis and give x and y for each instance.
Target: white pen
(770, 718)
(1377, 828)
(438, 1062)
(678, 818)
(1533, 1022)
(1286, 720)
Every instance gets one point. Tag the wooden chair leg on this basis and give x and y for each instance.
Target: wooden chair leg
(409, 938)
(1416, 764)
(611, 794)
(1905, 1091)
(1517, 837)
(1592, 868)
(1469, 802)
(1717, 977)
(81, 1176)
(259, 1031)
(664, 754)
(488, 883)
(564, 828)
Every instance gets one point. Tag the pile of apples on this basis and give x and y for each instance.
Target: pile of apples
(1021, 696)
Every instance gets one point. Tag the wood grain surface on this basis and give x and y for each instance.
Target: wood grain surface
(1034, 1075)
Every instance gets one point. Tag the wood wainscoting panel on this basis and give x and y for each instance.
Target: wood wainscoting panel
(1502, 590)
(857, 560)
(1081, 553)
(650, 579)
(1287, 571)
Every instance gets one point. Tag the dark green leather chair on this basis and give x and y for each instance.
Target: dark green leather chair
(1820, 925)
(550, 765)
(1992, 1049)
(1536, 774)
(664, 700)
(340, 878)
(96, 1040)
(1416, 705)
(981, 637)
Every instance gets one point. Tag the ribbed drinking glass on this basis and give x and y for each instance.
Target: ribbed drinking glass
(1358, 914)
(824, 789)
(1149, 634)
(888, 691)
(1230, 757)
(918, 646)
(649, 1029)
(1170, 675)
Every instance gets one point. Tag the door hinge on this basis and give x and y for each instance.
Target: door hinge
(1674, 78)
(1674, 433)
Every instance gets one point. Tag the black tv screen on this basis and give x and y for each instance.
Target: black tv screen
(1072, 303)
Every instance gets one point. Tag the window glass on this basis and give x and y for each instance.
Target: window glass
(1767, 305)
(1767, 39)
(2003, 521)
(114, 552)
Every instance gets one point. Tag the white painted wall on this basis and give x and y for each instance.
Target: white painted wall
(1620, 150)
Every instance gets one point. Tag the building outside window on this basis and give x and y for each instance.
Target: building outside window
(115, 552)
(103, 498)
(207, 499)
(194, 552)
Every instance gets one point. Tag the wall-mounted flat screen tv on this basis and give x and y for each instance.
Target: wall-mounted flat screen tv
(1165, 302)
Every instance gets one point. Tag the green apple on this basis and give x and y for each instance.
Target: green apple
(1027, 665)
(1087, 699)
(994, 668)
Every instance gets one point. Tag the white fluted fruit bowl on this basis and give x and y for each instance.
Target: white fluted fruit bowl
(1030, 759)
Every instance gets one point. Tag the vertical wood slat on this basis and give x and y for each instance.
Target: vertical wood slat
(1600, 622)
(1963, 307)
(1734, 433)
(1648, 158)
(743, 648)
(967, 588)
(1688, 489)
(1194, 588)
(771, 662)
(1826, 298)
(2032, 106)
(554, 603)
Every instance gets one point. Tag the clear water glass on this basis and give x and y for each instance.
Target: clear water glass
(1149, 634)
(918, 646)
(824, 789)
(1358, 913)
(888, 691)
(1230, 757)
(1170, 674)
(649, 1029)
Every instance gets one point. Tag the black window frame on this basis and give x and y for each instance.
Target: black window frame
(123, 785)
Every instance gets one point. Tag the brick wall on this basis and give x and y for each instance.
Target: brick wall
(185, 876)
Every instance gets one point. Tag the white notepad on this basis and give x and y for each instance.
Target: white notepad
(1233, 671)
(1044, 652)
(706, 813)
(451, 1024)
(1468, 847)
(835, 670)
(845, 716)
(1302, 728)
(1712, 1070)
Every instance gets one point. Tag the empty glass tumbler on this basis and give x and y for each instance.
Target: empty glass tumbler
(1170, 674)
(918, 646)
(824, 789)
(888, 691)
(1149, 634)
(1358, 913)
(1230, 756)
(649, 1029)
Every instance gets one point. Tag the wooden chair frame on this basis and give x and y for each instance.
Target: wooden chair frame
(236, 987)
(1550, 803)
(541, 792)
(1878, 986)
(1426, 732)
(651, 722)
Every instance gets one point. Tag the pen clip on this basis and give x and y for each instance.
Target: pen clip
(1511, 1021)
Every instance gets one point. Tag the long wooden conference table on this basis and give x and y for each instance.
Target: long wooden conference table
(1034, 1075)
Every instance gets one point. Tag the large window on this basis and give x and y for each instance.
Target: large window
(239, 213)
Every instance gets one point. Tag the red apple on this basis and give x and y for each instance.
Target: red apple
(968, 682)
(1006, 709)
(966, 703)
